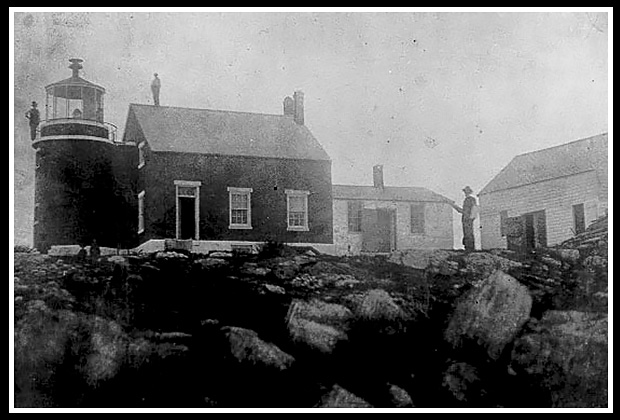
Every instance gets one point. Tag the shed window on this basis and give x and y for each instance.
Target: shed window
(354, 212)
(417, 218)
(297, 209)
(240, 215)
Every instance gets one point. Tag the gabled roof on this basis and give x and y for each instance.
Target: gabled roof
(363, 192)
(589, 154)
(207, 131)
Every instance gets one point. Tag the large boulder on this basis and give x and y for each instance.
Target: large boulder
(55, 346)
(567, 353)
(320, 337)
(247, 347)
(462, 382)
(338, 397)
(490, 314)
(399, 398)
(376, 305)
(108, 345)
(317, 324)
(320, 311)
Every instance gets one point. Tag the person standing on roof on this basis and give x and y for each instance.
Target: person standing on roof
(155, 87)
(35, 119)
(469, 212)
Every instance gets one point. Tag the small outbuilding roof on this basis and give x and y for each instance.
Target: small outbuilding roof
(363, 192)
(589, 154)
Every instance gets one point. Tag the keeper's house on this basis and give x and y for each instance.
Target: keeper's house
(229, 178)
(544, 197)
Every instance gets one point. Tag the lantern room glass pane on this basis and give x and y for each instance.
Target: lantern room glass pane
(74, 92)
(89, 103)
(60, 106)
(76, 109)
(60, 91)
(49, 105)
(99, 105)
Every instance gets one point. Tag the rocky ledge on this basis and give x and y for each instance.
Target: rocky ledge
(290, 328)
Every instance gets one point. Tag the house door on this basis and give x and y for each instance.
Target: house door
(378, 233)
(187, 217)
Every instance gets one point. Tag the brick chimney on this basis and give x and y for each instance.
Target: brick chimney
(289, 107)
(298, 100)
(377, 176)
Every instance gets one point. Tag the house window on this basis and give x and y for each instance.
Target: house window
(354, 212)
(417, 218)
(297, 209)
(240, 208)
(141, 159)
(187, 209)
(503, 217)
(579, 218)
(141, 212)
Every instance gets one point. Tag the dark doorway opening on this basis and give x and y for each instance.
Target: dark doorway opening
(378, 230)
(527, 232)
(187, 217)
(579, 218)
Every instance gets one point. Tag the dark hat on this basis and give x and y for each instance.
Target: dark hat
(468, 189)
(34, 103)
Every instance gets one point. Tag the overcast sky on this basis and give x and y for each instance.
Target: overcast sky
(443, 100)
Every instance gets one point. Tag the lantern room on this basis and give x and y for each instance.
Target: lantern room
(74, 97)
(74, 107)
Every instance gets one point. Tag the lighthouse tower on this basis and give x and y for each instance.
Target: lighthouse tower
(76, 186)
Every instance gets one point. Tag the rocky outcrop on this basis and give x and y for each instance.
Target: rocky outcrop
(146, 330)
(399, 398)
(320, 311)
(567, 353)
(338, 397)
(375, 305)
(247, 347)
(321, 337)
(463, 383)
(491, 314)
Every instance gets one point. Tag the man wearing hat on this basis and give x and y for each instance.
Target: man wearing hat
(469, 214)
(33, 116)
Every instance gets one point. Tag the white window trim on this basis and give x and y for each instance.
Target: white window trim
(196, 184)
(141, 212)
(141, 159)
(297, 193)
(236, 190)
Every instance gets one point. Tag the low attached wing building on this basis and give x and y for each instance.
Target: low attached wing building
(382, 219)
(545, 197)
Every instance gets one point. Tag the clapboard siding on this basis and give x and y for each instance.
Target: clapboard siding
(555, 196)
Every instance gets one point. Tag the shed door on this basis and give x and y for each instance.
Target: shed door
(514, 229)
(378, 230)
